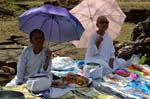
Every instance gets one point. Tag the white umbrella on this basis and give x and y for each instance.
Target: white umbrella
(88, 11)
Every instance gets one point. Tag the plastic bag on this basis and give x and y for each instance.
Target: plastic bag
(134, 59)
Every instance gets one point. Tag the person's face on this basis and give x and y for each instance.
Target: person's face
(37, 39)
(102, 23)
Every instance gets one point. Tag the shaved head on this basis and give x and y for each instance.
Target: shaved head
(103, 18)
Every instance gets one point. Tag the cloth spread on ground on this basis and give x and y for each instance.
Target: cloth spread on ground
(136, 84)
(138, 80)
(130, 87)
(78, 93)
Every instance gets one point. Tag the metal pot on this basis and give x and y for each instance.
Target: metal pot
(8, 94)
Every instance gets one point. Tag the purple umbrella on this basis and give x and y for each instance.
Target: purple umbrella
(57, 23)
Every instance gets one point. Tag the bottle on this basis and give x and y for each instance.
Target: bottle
(143, 59)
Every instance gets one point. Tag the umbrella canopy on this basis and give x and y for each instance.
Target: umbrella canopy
(57, 23)
(88, 11)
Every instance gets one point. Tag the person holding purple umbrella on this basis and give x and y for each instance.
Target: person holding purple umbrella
(101, 50)
(34, 59)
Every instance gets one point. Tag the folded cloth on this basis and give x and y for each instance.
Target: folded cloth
(134, 70)
(124, 73)
(64, 73)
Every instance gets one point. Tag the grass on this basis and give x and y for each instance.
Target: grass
(125, 34)
(135, 5)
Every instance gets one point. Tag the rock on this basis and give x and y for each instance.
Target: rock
(141, 30)
(2, 63)
(140, 41)
(6, 12)
(9, 70)
(126, 52)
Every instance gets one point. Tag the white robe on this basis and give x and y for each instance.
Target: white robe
(102, 54)
(29, 64)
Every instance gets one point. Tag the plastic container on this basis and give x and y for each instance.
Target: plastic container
(93, 70)
(143, 59)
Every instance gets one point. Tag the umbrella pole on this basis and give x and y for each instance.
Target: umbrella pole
(48, 44)
(50, 31)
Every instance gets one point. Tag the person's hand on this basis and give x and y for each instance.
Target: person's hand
(98, 41)
(111, 61)
(48, 53)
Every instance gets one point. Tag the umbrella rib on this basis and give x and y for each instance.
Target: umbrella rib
(99, 8)
(49, 36)
(107, 1)
(119, 11)
(51, 27)
(86, 17)
(81, 14)
(112, 12)
(27, 20)
(89, 10)
(44, 22)
(76, 29)
(59, 29)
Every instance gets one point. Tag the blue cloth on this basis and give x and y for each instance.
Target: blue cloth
(142, 85)
(80, 63)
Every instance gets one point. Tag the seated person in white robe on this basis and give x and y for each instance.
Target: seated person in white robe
(34, 59)
(101, 50)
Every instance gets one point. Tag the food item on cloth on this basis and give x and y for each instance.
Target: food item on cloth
(75, 79)
(58, 83)
(123, 73)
